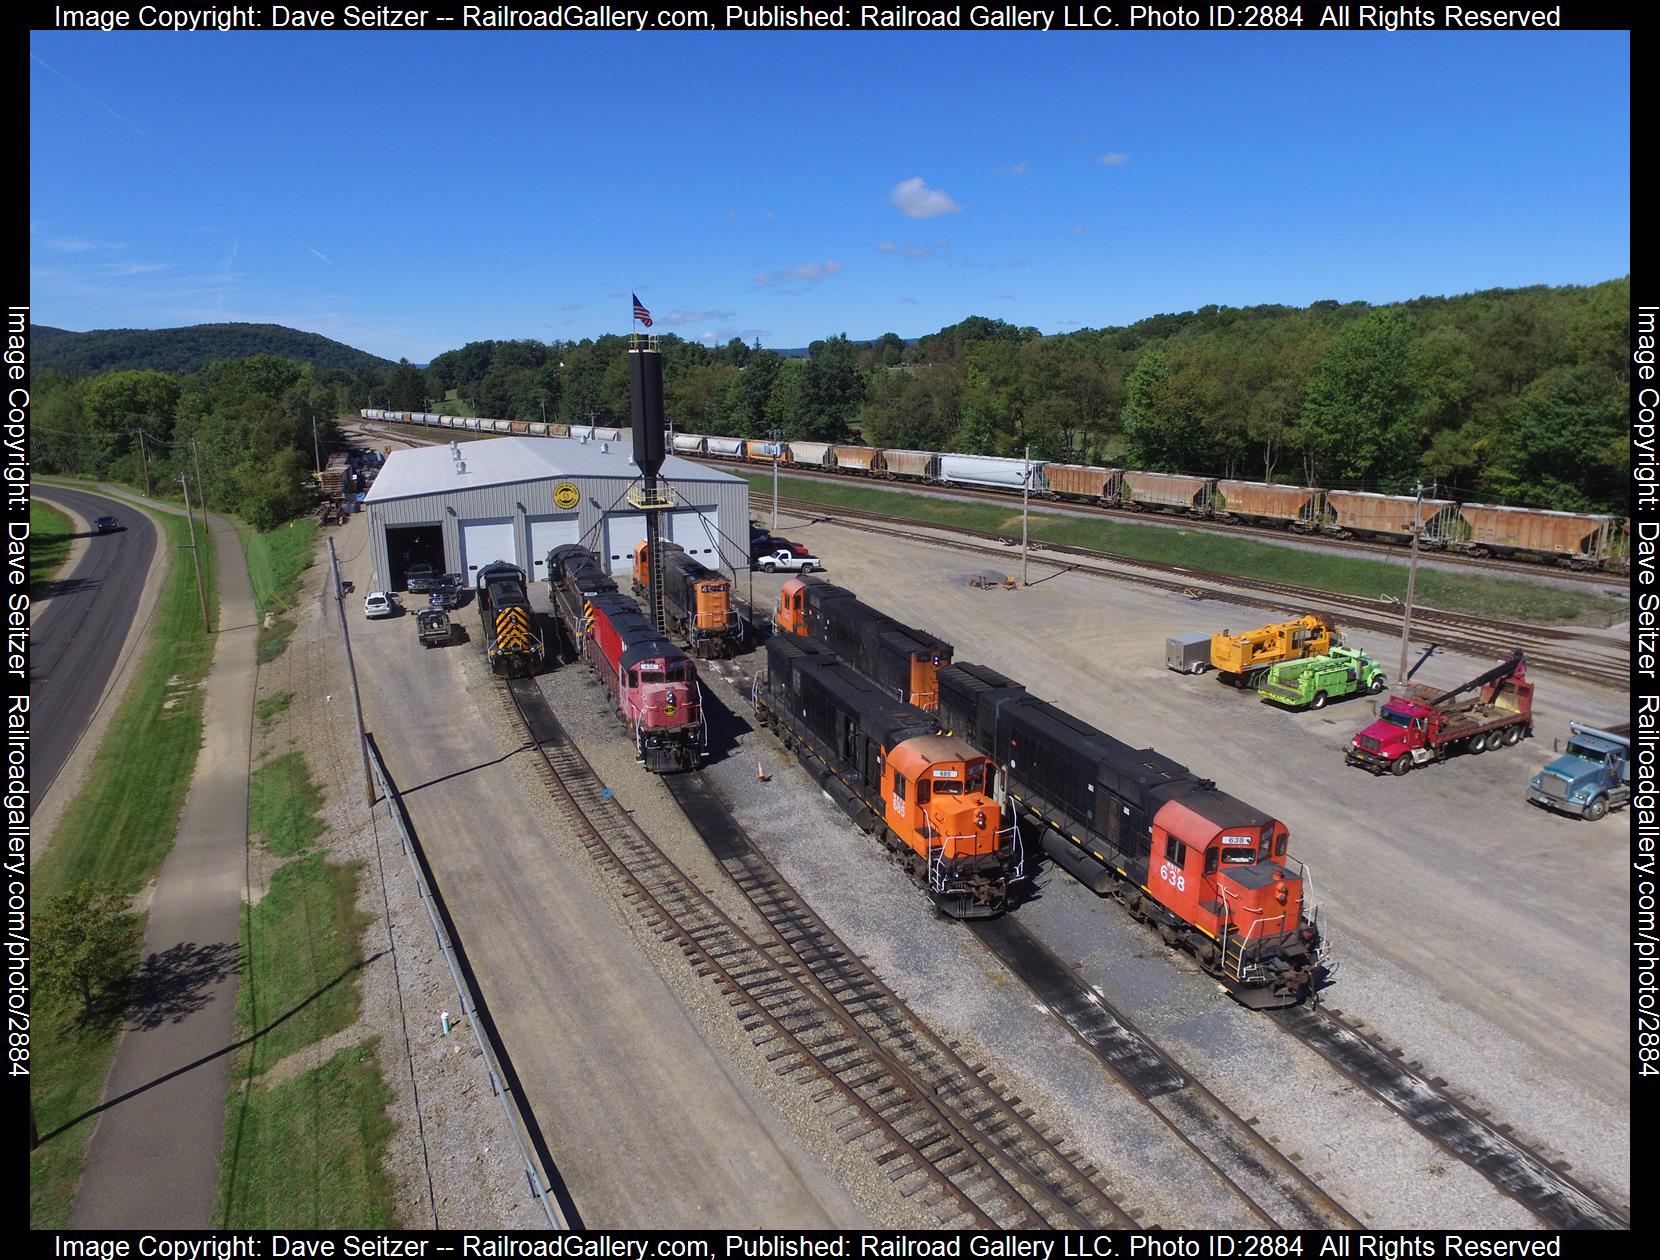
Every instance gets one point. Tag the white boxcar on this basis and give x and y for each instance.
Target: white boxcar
(987, 470)
(813, 454)
(728, 448)
(688, 443)
(607, 435)
(538, 429)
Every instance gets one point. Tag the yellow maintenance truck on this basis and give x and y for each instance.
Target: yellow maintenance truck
(1243, 659)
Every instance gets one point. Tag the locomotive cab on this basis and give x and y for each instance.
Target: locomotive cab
(792, 607)
(941, 800)
(1227, 874)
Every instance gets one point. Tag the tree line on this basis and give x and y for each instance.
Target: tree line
(1508, 395)
(1514, 395)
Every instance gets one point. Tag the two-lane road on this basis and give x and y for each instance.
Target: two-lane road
(77, 637)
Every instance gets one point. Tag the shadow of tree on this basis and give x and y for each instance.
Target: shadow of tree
(63, 586)
(178, 982)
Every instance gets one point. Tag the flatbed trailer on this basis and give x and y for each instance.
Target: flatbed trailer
(1419, 726)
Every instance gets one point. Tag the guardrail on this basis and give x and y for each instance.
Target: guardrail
(522, 1122)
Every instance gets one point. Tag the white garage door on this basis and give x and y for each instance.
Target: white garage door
(546, 533)
(698, 531)
(622, 531)
(484, 542)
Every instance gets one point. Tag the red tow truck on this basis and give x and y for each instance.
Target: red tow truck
(1420, 725)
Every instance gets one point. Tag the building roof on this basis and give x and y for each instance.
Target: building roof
(506, 460)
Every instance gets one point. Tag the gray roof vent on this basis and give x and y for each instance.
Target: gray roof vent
(460, 466)
(605, 446)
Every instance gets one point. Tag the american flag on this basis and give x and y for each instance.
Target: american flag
(640, 312)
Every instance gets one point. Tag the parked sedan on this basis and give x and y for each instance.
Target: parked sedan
(379, 604)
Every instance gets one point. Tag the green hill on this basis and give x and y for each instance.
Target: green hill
(187, 349)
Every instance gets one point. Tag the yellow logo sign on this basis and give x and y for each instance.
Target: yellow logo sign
(566, 496)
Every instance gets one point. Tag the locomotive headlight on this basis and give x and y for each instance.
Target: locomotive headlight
(980, 819)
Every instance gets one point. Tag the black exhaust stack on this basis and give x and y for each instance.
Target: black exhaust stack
(645, 378)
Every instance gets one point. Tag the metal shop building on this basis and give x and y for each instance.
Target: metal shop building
(461, 507)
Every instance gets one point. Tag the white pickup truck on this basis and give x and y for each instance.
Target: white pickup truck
(786, 560)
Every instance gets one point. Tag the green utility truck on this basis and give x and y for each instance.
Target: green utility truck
(1310, 682)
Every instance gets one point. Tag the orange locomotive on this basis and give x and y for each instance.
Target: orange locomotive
(934, 798)
(697, 601)
(903, 661)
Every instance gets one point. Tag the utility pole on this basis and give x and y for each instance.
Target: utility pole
(1025, 504)
(351, 668)
(1411, 579)
(196, 554)
(316, 450)
(201, 486)
(544, 408)
(775, 435)
(145, 456)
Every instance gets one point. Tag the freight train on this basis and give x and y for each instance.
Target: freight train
(1574, 540)
(1211, 873)
(652, 685)
(697, 601)
(512, 643)
(934, 799)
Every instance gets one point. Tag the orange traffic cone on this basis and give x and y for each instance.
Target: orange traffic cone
(760, 773)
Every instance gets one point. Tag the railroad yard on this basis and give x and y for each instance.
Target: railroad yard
(828, 1050)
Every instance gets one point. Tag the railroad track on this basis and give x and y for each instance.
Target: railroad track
(946, 1133)
(1272, 1188)
(1458, 631)
(1521, 568)
(1537, 1183)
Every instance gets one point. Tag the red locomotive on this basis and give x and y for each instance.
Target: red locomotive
(652, 683)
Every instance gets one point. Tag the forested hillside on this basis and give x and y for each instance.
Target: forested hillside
(1515, 395)
(187, 349)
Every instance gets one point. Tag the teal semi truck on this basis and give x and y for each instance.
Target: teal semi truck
(1312, 681)
(1591, 777)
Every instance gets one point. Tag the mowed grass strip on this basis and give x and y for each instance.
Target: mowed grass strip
(301, 947)
(277, 558)
(309, 1153)
(50, 532)
(282, 803)
(118, 829)
(1210, 552)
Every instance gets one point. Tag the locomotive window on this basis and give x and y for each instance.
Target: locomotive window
(899, 787)
(1211, 858)
(1175, 852)
(976, 778)
(633, 679)
(1279, 847)
(922, 790)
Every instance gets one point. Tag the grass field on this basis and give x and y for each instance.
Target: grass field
(309, 1153)
(1214, 553)
(49, 534)
(282, 805)
(301, 950)
(119, 829)
(276, 560)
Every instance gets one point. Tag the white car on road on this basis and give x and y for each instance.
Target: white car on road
(379, 604)
(786, 561)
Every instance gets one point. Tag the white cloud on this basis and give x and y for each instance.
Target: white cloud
(76, 245)
(325, 258)
(1019, 168)
(1077, 230)
(909, 301)
(680, 318)
(1113, 159)
(918, 201)
(887, 247)
(807, 271)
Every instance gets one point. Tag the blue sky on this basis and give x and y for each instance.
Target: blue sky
(409, 192)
